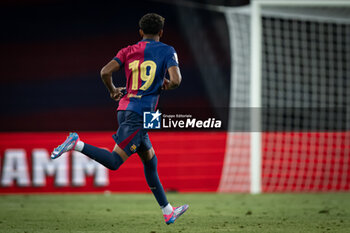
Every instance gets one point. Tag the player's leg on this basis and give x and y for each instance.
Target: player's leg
(150, 162)
(111, 160)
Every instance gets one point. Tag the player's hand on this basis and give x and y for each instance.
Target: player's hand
(118, 93)
(166, 85)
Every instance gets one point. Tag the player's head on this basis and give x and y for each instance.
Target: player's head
(151, 24)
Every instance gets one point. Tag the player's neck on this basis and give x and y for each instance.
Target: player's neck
(151, 37)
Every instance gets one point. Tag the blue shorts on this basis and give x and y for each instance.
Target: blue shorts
(131, 137)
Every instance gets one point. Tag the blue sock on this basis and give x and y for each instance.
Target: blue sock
(109, 160)
(153, 181)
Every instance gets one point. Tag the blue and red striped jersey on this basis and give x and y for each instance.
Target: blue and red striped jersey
(146, 64)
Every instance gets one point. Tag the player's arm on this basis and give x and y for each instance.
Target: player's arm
(175, 78)
(106, 76)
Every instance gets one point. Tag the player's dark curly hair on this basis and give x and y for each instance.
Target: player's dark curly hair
(151, 23)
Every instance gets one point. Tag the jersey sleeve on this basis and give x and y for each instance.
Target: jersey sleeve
(121, 56)
(172, 59)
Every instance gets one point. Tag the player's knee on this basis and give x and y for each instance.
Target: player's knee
(115, 166)
(117, 161)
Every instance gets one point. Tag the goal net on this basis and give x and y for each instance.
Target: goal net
(297, 79)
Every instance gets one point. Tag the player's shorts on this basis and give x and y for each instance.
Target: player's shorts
(131, 137)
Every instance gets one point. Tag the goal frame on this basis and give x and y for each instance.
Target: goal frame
(256, 78)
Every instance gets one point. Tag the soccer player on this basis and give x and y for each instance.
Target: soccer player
(146, 64)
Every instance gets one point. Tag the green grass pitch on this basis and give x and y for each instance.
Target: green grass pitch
(327, 212)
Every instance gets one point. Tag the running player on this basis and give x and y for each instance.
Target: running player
(146, 64)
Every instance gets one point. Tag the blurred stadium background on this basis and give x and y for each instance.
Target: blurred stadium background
(287, 130)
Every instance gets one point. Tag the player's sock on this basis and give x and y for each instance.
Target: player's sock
(151, 174)
(109, 160)
(79, 146)
(168, 209)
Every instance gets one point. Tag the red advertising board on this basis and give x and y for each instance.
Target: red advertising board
(187, 161)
